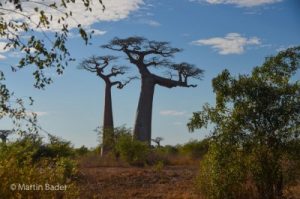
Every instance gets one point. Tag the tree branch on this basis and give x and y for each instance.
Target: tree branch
(169, 83)
(121, 85)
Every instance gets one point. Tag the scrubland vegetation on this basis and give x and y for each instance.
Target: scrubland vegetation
(133, 170)
(252, 151)
(31, 161)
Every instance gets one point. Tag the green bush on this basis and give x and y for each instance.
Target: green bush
(194, 149)
(83, 150)
(18, 168)
(256, 129)
(229, 171)
(222, 174)
(56, 148)
(132, 151)
(167, 150)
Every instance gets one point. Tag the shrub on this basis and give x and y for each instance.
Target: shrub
(257, 116)
(229, 171)
(56, 148)
(18, 168)
(170, 150)
(195, 149)
(82, 150)
(222, 174)
(157, 155)
(132, 151)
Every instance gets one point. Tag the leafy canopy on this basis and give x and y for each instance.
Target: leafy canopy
(256, 122)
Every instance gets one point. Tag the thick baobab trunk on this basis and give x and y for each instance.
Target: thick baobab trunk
(108, 122)
(142, 127)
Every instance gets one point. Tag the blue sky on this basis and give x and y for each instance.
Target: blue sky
(215, 34)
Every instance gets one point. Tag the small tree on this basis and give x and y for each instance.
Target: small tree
(99, 65)
(157, 140)
(144, 54)
(257, 123)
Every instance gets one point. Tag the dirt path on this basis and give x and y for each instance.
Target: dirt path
(130, 183)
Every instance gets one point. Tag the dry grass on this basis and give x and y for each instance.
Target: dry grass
(108, 178)
(95, 160)
(132, 182)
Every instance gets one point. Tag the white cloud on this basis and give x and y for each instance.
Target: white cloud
(3, 50)
(114, 10)
(243, 3)
(232, 43)
(172, 113)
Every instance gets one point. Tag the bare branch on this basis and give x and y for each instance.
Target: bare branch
(121, 85)
(96, 63)
(117, 70)
(170, 75)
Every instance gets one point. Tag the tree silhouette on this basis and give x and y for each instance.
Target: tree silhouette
(157, 140)
(99, 65)
(144, 54)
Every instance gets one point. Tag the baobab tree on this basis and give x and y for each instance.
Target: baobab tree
(144, 54)
(99, 66)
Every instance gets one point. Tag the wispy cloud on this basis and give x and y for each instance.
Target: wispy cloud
(172, 113)
(152, 23)
(114, 10)
(232, 43)
(241, 3)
